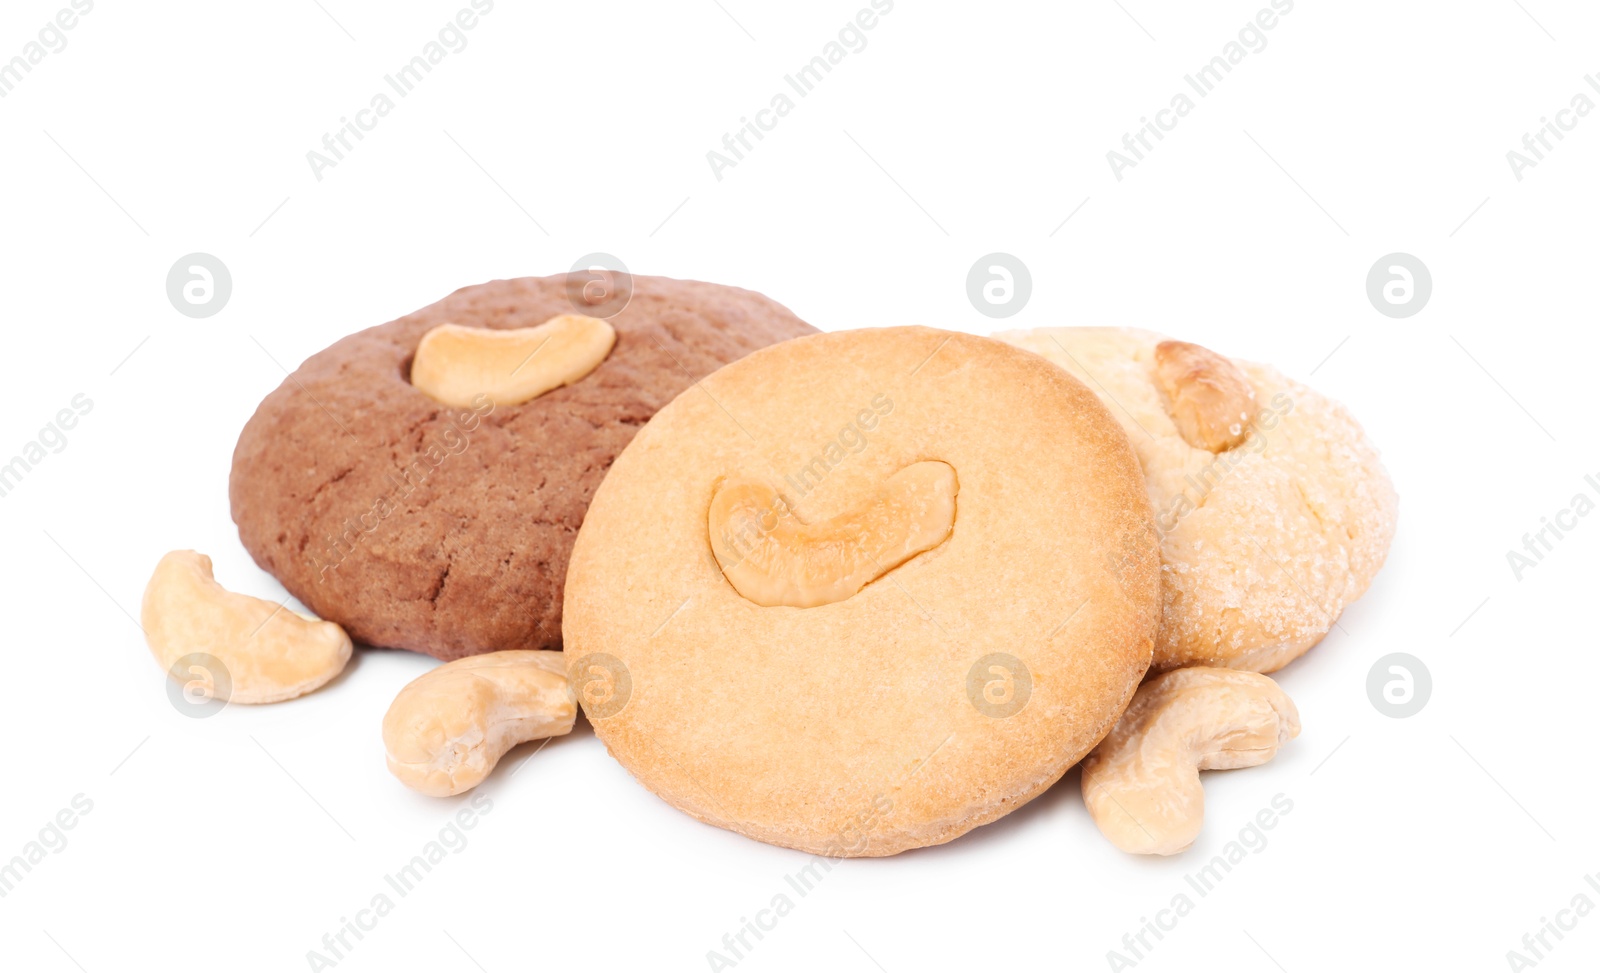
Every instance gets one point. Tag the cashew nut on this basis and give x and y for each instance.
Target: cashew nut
(1208, 397)
(771, 558)
(450, 726)
(455, 365)
(1142, 783)
(270, 653)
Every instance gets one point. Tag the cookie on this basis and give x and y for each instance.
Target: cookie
(447, 529)
(837, 598)
(1272, 508)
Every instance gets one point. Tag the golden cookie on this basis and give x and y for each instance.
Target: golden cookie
(835, 597)
(1273, 510)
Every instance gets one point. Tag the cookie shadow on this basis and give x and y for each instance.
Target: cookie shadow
(358, 653)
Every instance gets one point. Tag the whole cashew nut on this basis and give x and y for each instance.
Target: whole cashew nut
(455, 365)
(450, 726)
(1209, 398)
(1142, 783)
(270, 653)
(772, 559)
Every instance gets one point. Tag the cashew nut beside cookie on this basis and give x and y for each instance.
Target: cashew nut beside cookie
(269, 652)
(1142, 783)
(449, 727)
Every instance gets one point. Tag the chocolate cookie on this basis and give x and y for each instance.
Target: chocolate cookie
(446, 529)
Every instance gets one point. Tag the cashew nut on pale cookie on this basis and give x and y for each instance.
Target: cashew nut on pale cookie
(269, 652)
(1209, 399)
(1142, 783)
(449, 727)
(1271, 506)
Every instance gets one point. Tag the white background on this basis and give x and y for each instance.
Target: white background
(1363, 128)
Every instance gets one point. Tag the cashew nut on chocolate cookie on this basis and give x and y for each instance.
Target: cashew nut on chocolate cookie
(421, 482)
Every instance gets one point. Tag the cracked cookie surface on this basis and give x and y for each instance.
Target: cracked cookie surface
(447, 530)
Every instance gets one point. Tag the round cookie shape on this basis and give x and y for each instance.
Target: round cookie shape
(952, 686)
(447, 529)
(1264, 542)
